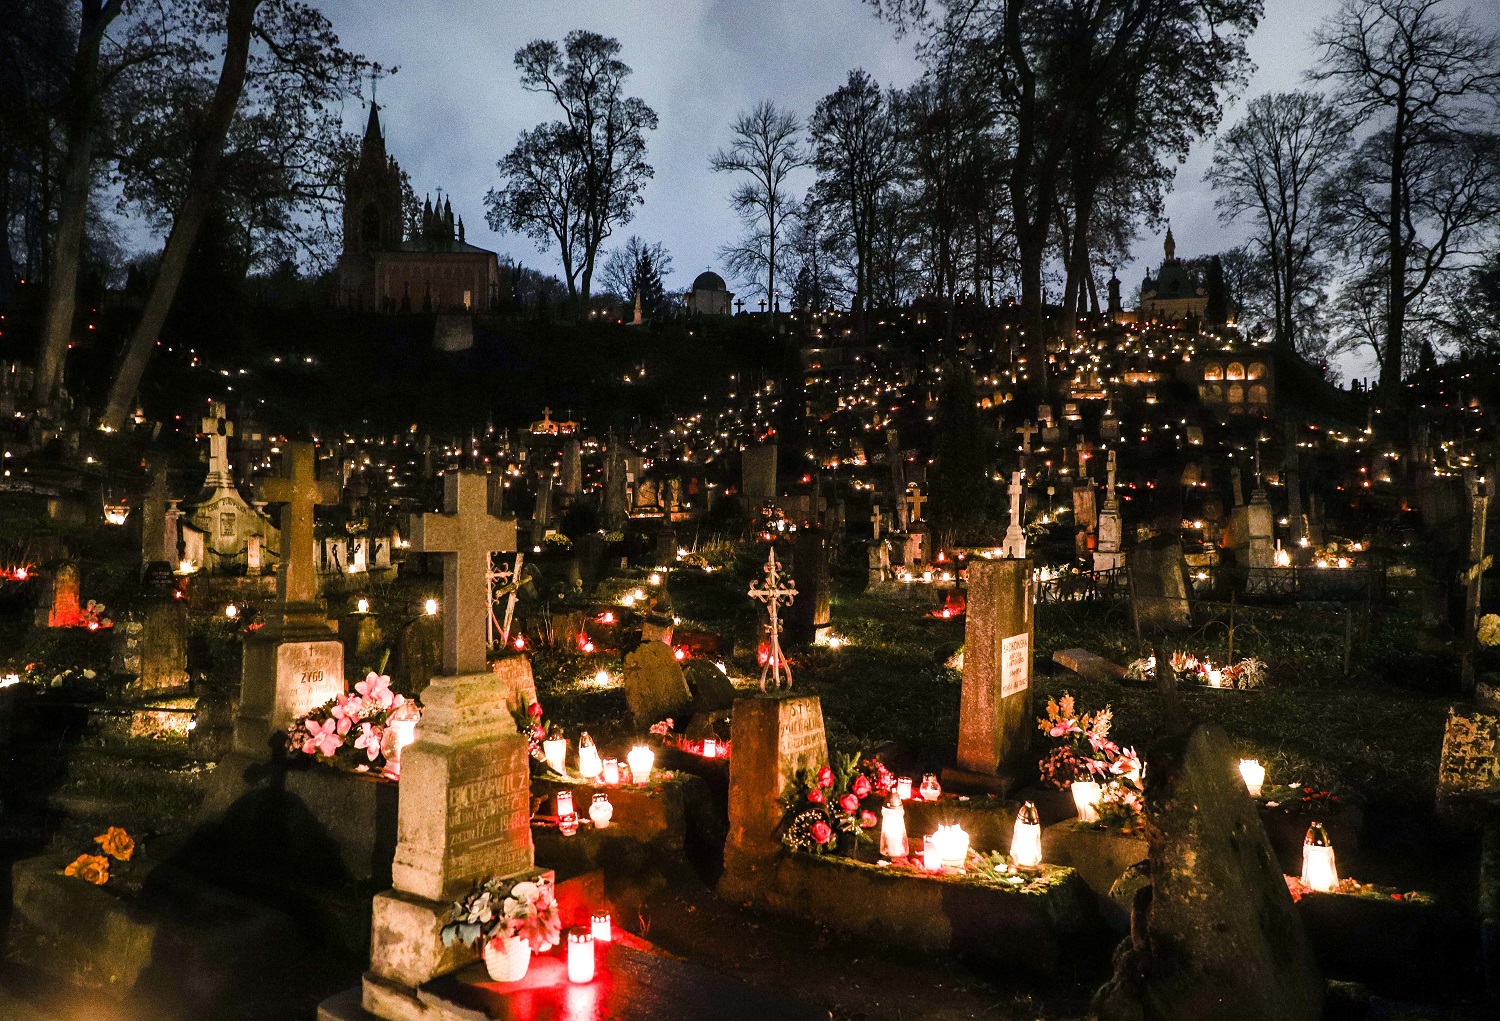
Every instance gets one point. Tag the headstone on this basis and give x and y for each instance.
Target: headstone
(616, 495)
(1470, 762)
(1015, 533)
(758, 475)
(64, 609)
(1221, 937)
(572, 470)
(163, 647)
(1085, 517)
(774, 738)
(1107, 551)
(995, 716)
(1159, 583)
(878, 561)
(154, 548)
(811, 617)
(1260, 524)
(654, 686)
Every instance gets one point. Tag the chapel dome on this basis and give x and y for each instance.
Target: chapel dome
(708, 280)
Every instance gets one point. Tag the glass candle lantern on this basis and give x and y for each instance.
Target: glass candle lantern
(555, 751)
(363, 606)
(609, 771)
(952, 845)
(932, 859)
(903, 788)
(400, 732)
(930, 789)
(601, 811)
(640, 760)
(580, 955)
(564, 801)
(1254, 775)
(588, 757)
(1026, 842)
(1086, 797)
(893, 828)
(601, 929)
(710, 747)
(1319, 870)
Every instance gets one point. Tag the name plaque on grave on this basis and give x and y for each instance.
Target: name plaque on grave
(801, 731)
(1015, 654)
(489, 816)
(308, 675)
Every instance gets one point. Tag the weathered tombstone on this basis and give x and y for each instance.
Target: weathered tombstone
(1015, 532)
(811, 617)
(1217, 936)
(774, 738)
(758, 474)
(163, 647)
(572, 470)
(63, 609)
(1159, 584)
(1107, 554)
(654, 686)
(154, 548)
(878, 561)
(995, 716)
(295, 662)
(1469, 768)
(1260, 525)
(1085, 516)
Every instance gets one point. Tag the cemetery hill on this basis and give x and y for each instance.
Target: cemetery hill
(909, 510)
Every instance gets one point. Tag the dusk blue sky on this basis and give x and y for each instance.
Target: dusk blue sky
(456, 106)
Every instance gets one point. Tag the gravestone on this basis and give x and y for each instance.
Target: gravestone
(1469, 767)
(1107, 552)
(163, 647)
(295, 662)
(995, 716)
(1217, 936)
(654, 686)
(1159, 584)
(62, 606)
(811, 616)
(154, 521)
(1260, 527)
(774, 738)
(1085, 517)
(758, 475)
(572, 470)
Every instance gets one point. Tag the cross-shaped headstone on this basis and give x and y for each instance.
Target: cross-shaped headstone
(1109, 485)
(1083, 459)
(218, 429)
(1026, 432)
(299, 491)
(775, 591)
(1015, 535)
(506, 581)
(464, 535)
(914, 502)
(875, 521)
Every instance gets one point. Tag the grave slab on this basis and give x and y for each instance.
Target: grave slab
(1088, 665)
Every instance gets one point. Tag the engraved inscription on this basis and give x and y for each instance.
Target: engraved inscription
(489, 813)
(307, 675)
(1015, 664)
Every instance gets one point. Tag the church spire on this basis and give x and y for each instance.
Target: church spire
(1170, 246)
(374, 140)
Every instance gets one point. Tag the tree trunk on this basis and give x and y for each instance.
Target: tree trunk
(202, 190)
(1390, 365)
(67, 252)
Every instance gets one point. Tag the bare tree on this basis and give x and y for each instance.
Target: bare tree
(1424, 187)
(1271, 166)
(573, 181)
(767, 148)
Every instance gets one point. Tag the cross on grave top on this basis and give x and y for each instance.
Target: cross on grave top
(299, 490)
(1015, 535)
(1109, 485)
(218, 429)
(1083, 459)
(1026, 432)
(775, 591)
(875, 520)
(914, 502)
(465, 535)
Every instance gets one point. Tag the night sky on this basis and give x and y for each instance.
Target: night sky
(456, 106)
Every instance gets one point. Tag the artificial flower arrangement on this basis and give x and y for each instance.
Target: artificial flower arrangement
(529, 721)
(42, 676)
(826, 812)
(114, 844)
(1353, 888)
(1085, 753)
(664, 730)
(1244, 675)
(1489, 629)
(351, 730)
(506, 919)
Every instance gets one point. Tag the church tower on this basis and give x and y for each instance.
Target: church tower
(372, 195)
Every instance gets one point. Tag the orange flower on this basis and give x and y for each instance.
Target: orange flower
(92, 868)
(116, 843)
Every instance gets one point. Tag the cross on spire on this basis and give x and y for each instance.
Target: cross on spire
(464, 535)
(299, 490)
(774, 591)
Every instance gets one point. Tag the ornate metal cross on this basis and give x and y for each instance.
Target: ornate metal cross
(774, 591)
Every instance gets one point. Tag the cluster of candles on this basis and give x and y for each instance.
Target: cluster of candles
(600, 812)
(948, 847)
(592, 767)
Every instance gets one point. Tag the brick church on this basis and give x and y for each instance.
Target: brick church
(383, 270)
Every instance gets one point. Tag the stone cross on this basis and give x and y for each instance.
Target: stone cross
(1083, 459)
(1026, 432)
(914, 502)
(299, 490)
(1109, 485)
(875, 521)
(775, 591)
(218, 429)
(504, 582)
(464, 535)
(1015, 535)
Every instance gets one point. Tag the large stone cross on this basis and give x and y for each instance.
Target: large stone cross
(1026, 432)
(875, 520)
(218, 429)
(1015, 535)
(299, 491)
(1109, 485)
(464, 535)
(914, 502)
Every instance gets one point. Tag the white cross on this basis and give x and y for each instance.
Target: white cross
(1026, 432)
(218, 429)
(774, 591)
(465, 535)
(507, 581)
(1015, 536)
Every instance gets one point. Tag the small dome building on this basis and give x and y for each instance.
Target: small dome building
(710, 296)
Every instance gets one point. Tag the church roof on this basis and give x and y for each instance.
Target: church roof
(708, 280)
(455, 247)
